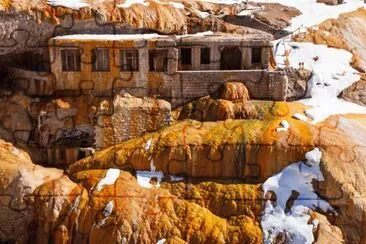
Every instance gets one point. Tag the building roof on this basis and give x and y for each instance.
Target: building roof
(190, 38)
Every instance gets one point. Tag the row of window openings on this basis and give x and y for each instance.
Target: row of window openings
(71, 60)
(205, 57)
(158, 60)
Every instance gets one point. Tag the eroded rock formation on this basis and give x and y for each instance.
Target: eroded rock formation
(19, 179)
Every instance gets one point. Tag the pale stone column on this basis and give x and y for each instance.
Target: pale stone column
(247, 57)
(265, 57)
(140, 78)
(172, 60)
(196, 58)
(215, 57)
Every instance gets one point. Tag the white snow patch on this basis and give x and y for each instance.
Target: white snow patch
(152, 165)
(119, 37)
(177, 5)
(174, 4)
(296, 177)
(227, 2)
(109, 179)
(124, 37)
(205, 33)
(249, 10)
(107, 212)
(284, 126)
(332, 73)
(76, 204)
(174, 178)
(144, 177)
(162, 241)
(41, 114)
(299, 116)
(129, 3)
(148, 144)
(73, 4)
(201, 14)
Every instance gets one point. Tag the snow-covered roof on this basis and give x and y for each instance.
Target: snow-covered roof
(73, 4)
(109, 37)
(198, 37)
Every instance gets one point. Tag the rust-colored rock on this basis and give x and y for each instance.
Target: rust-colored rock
(326, 232)
(141, 214)
(235, 92)
(19, 177)
(344, 150)
(217, 146)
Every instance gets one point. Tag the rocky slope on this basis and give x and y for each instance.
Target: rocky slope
(96, 201)
(43, 205)
(345, 32)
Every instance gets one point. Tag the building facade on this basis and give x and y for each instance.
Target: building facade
(175, 68)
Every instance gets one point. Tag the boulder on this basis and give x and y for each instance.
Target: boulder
(356, 93)
(235, 92)
(330, 2)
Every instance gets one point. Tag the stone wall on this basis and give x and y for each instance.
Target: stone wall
(270, 85)
(131, 117)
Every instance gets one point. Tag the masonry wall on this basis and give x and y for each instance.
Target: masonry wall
(270, 85)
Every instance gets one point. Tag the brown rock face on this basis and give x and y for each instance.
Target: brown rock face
(276, 15)
(15, 118)
(326, 232)
(298, 83)
(19, 177)
(126, 212)
(343, 140)
(268, 17)
(356, 92)
(330, 2)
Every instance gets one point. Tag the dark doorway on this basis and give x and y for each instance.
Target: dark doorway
(158, 60)
(186, 56)
(230, 58)
(256, 55)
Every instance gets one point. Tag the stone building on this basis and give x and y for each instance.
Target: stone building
(175, 68)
